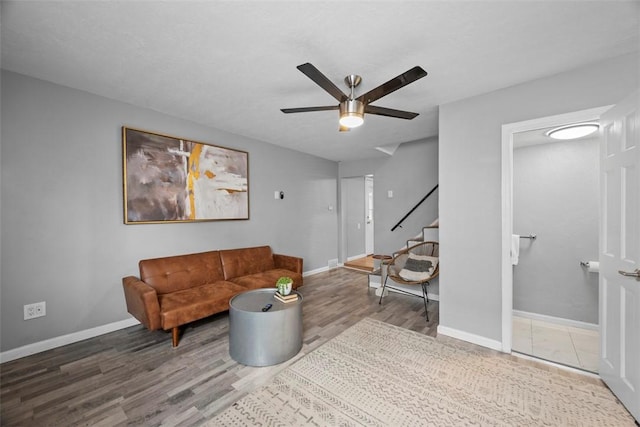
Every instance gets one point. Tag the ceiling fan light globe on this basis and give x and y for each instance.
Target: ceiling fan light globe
(351, 120)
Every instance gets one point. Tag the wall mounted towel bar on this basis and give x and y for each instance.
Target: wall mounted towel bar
(530, 236)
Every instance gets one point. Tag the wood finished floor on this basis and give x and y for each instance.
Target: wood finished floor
(134, 376)
(365, 263)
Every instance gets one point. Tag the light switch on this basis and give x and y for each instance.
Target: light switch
(390, 194)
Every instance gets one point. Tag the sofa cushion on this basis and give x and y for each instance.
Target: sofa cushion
(267, 279)
(178, 308)
(246, 261)
(176, 273)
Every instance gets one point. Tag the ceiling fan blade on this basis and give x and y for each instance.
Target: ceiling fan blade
(308, 109)
(392, 85)
(389, 112)
(321, 80)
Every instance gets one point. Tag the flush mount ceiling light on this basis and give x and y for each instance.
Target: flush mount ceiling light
(574, 131)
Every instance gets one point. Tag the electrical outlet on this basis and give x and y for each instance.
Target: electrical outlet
(37, 309)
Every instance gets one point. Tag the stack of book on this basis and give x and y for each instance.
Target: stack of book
(286, 298)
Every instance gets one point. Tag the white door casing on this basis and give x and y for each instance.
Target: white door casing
(369, 230)
(619, 298)
(507, 201)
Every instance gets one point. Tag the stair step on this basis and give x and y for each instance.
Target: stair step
(363, 264)
(434, 224)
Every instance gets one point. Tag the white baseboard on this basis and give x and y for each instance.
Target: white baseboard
(556, 320)
(316, 271)
(320, 270)
(49, 344)
(472, 338)
(351, 258)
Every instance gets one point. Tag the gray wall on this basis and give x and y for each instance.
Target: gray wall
(63, 237)
(410, 173)
(470, 182)
(555, 196)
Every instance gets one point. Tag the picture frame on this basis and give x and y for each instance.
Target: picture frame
(167, 179)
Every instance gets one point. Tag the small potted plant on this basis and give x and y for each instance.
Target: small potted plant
(284, 285)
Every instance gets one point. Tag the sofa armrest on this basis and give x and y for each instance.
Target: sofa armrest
(142, 302)
(288, 262)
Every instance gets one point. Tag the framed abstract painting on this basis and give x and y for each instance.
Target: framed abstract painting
(170, 179)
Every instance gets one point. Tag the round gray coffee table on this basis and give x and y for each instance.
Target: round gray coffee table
(263, 338)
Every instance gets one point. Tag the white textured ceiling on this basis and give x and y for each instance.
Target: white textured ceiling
(232, 65)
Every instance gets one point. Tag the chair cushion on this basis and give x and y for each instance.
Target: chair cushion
(418, 268)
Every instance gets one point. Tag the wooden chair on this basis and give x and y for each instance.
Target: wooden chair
(417, 265)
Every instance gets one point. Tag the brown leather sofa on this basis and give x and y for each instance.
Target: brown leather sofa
(173, 291)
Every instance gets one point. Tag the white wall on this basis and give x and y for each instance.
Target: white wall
(555, 196)
(470, 183)
(63, 237)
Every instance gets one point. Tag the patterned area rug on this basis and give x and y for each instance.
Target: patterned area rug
(376, 374)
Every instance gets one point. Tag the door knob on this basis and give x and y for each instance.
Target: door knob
(635, 273)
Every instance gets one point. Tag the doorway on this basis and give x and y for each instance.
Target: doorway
(358, 221)
(555, 223)
(509, 135)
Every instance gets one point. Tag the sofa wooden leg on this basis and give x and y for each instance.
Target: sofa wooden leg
(175, 336)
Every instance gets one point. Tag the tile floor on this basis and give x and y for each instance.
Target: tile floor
(575, 347)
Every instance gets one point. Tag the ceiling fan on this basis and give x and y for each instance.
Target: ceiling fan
(352, 109)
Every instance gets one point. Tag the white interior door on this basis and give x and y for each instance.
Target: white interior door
(620, 252)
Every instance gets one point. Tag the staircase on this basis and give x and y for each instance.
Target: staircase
(428, 233)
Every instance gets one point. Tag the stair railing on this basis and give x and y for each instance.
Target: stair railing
(399, 224)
